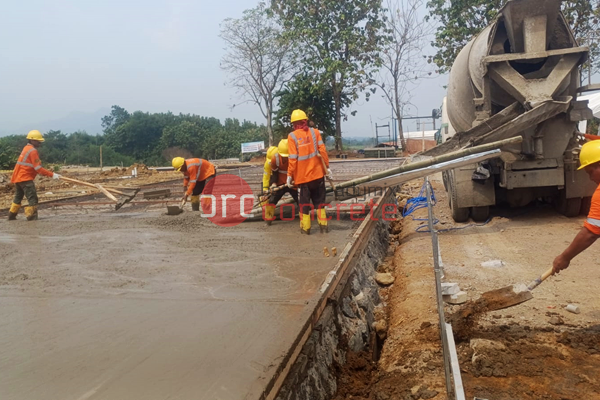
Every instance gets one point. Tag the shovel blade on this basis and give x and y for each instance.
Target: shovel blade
(505, 297)
(174, 210)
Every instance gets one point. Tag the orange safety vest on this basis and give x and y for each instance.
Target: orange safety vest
(279, 165)
(592, 223)
(197, 170)
(28, 166)
(305, 146)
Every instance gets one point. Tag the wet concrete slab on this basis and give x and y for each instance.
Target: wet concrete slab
(146, 306)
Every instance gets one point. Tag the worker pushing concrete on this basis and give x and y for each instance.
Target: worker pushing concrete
(279, 170)
(196, 174)
(27, 168)
(589, 159)
(308, 164)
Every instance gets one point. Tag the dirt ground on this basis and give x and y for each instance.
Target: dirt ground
(536, 350)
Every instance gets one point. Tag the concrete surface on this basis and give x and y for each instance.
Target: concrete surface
(147, 306)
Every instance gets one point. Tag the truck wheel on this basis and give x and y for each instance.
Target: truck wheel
(459, 214)
(567, 207)
(480, 214)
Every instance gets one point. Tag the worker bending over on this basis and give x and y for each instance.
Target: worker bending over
(196, 173)
(590, 232)
(307, 170)
(271, 151)
(279, 170)
(27, 168)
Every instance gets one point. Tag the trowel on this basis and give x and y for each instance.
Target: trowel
(511, 295)
(175, 210)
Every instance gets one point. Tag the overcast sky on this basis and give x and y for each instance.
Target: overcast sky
(63, 56)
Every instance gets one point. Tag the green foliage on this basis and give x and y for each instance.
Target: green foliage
(339, 41)
(152, 139)
(460, 20)
(313, 97)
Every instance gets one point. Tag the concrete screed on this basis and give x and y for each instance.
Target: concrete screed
(146, 306)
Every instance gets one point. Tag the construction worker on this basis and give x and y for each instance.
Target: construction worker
(589, 158)
(271, 151)
(308, 164)
(27, 168)
(196, 173)
(279, 170)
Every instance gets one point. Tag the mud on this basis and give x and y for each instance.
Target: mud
(144, 305)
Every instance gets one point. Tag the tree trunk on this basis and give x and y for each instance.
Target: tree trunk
(269, 127)
(337, 99)
(399, 116)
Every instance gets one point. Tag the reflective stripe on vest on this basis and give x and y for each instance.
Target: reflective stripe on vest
(25, 159)
(594, 222)
(199, 165)
(315, 148)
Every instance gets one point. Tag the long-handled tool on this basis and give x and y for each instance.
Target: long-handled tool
(326, 175)
(176, 210)
(107, 191)
(512, 295)
(265, 195)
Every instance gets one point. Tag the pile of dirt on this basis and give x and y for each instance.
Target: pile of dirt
(5, 185)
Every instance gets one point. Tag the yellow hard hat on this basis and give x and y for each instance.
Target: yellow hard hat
(298, 115)
(283, 148)
(590, 153)
(271, 152)
(178, 163)
(35, 135)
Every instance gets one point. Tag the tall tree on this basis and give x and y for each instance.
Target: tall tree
(460, 20)
(311, 96)
(258, 59)
(340, 42)
(403, 62)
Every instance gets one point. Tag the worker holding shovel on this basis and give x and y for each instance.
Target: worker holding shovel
(589, 157)
(27, 168)
(279, 170)
(196, 173)
(308, 165)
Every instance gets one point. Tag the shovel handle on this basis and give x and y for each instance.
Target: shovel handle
(536, 282)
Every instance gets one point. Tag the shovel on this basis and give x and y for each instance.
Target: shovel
(512, 295)
(175, 210)
(108, 192)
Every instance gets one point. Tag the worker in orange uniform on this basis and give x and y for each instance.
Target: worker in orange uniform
(589, 159)
(279, 170)
(196, 173)
(27, 168)
(308, 164)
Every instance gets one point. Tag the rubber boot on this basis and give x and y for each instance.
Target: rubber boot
(31, 213)
(195, 200)
(269, 214)
(14, 210)
(305, 224)
(322, 219)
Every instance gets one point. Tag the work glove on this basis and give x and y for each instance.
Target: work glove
(55, 175)
(329, 174)
(289, 182)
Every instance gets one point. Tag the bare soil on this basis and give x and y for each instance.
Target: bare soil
(535, 350)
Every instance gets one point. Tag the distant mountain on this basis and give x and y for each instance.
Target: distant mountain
(75, 121)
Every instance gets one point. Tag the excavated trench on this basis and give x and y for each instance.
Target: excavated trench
(352, 324)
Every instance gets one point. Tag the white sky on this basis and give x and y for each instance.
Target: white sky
(61, 56)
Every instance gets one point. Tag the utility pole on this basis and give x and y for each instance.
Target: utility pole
(100, 157)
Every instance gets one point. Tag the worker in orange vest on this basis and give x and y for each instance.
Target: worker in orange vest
(306, 170)
(589, 158)
(196, 173)
(279, 164)
(27, 168)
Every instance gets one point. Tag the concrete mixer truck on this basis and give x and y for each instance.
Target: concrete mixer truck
(519, 76)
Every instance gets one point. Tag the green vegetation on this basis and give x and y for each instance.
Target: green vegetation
(152, 139)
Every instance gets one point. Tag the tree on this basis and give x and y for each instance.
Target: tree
(340, 41)
(460, 20)
(258, 58)
(311, 96)
(117, 117)
(403, 62)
